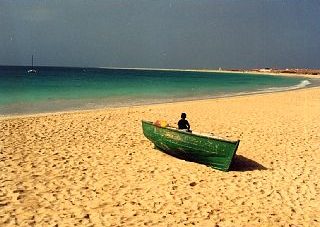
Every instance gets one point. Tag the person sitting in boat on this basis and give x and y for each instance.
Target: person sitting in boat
(183, 123)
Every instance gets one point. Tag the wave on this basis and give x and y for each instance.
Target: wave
(302, 84)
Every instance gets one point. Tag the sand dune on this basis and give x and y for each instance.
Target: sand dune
(96, 168)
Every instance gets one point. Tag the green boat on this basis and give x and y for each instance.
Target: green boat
(206, 149)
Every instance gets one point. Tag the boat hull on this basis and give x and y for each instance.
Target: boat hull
(211, 151)
(32, 71)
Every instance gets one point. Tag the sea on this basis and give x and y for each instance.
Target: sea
(56, 89)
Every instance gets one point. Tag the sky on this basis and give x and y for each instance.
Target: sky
(161, 33)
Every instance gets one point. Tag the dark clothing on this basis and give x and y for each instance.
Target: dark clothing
(183, 124)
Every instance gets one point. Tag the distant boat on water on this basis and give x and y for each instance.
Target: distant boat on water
(32, 70)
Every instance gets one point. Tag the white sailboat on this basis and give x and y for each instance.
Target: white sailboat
(32, 70)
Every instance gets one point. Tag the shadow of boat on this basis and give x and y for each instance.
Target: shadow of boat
(241, 163)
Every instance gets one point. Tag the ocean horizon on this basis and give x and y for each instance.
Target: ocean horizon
(56, 89)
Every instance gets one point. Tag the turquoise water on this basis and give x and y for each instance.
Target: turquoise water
(58, 89)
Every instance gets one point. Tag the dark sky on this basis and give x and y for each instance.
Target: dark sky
(161, 33)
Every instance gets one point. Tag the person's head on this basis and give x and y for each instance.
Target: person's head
(183, 115)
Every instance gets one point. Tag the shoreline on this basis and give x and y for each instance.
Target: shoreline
(84, 110)
(126, 105)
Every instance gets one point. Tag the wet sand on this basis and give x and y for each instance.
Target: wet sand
(95, 168)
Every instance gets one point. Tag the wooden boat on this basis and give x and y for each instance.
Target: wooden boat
(206, 149)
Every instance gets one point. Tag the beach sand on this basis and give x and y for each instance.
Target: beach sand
(95, 168)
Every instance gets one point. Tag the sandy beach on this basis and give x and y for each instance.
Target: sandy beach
(95, 168)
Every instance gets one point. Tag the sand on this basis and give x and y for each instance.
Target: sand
(95, 168)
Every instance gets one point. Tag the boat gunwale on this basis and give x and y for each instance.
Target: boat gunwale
(197, 135)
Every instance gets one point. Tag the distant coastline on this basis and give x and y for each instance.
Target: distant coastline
(308, 73)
